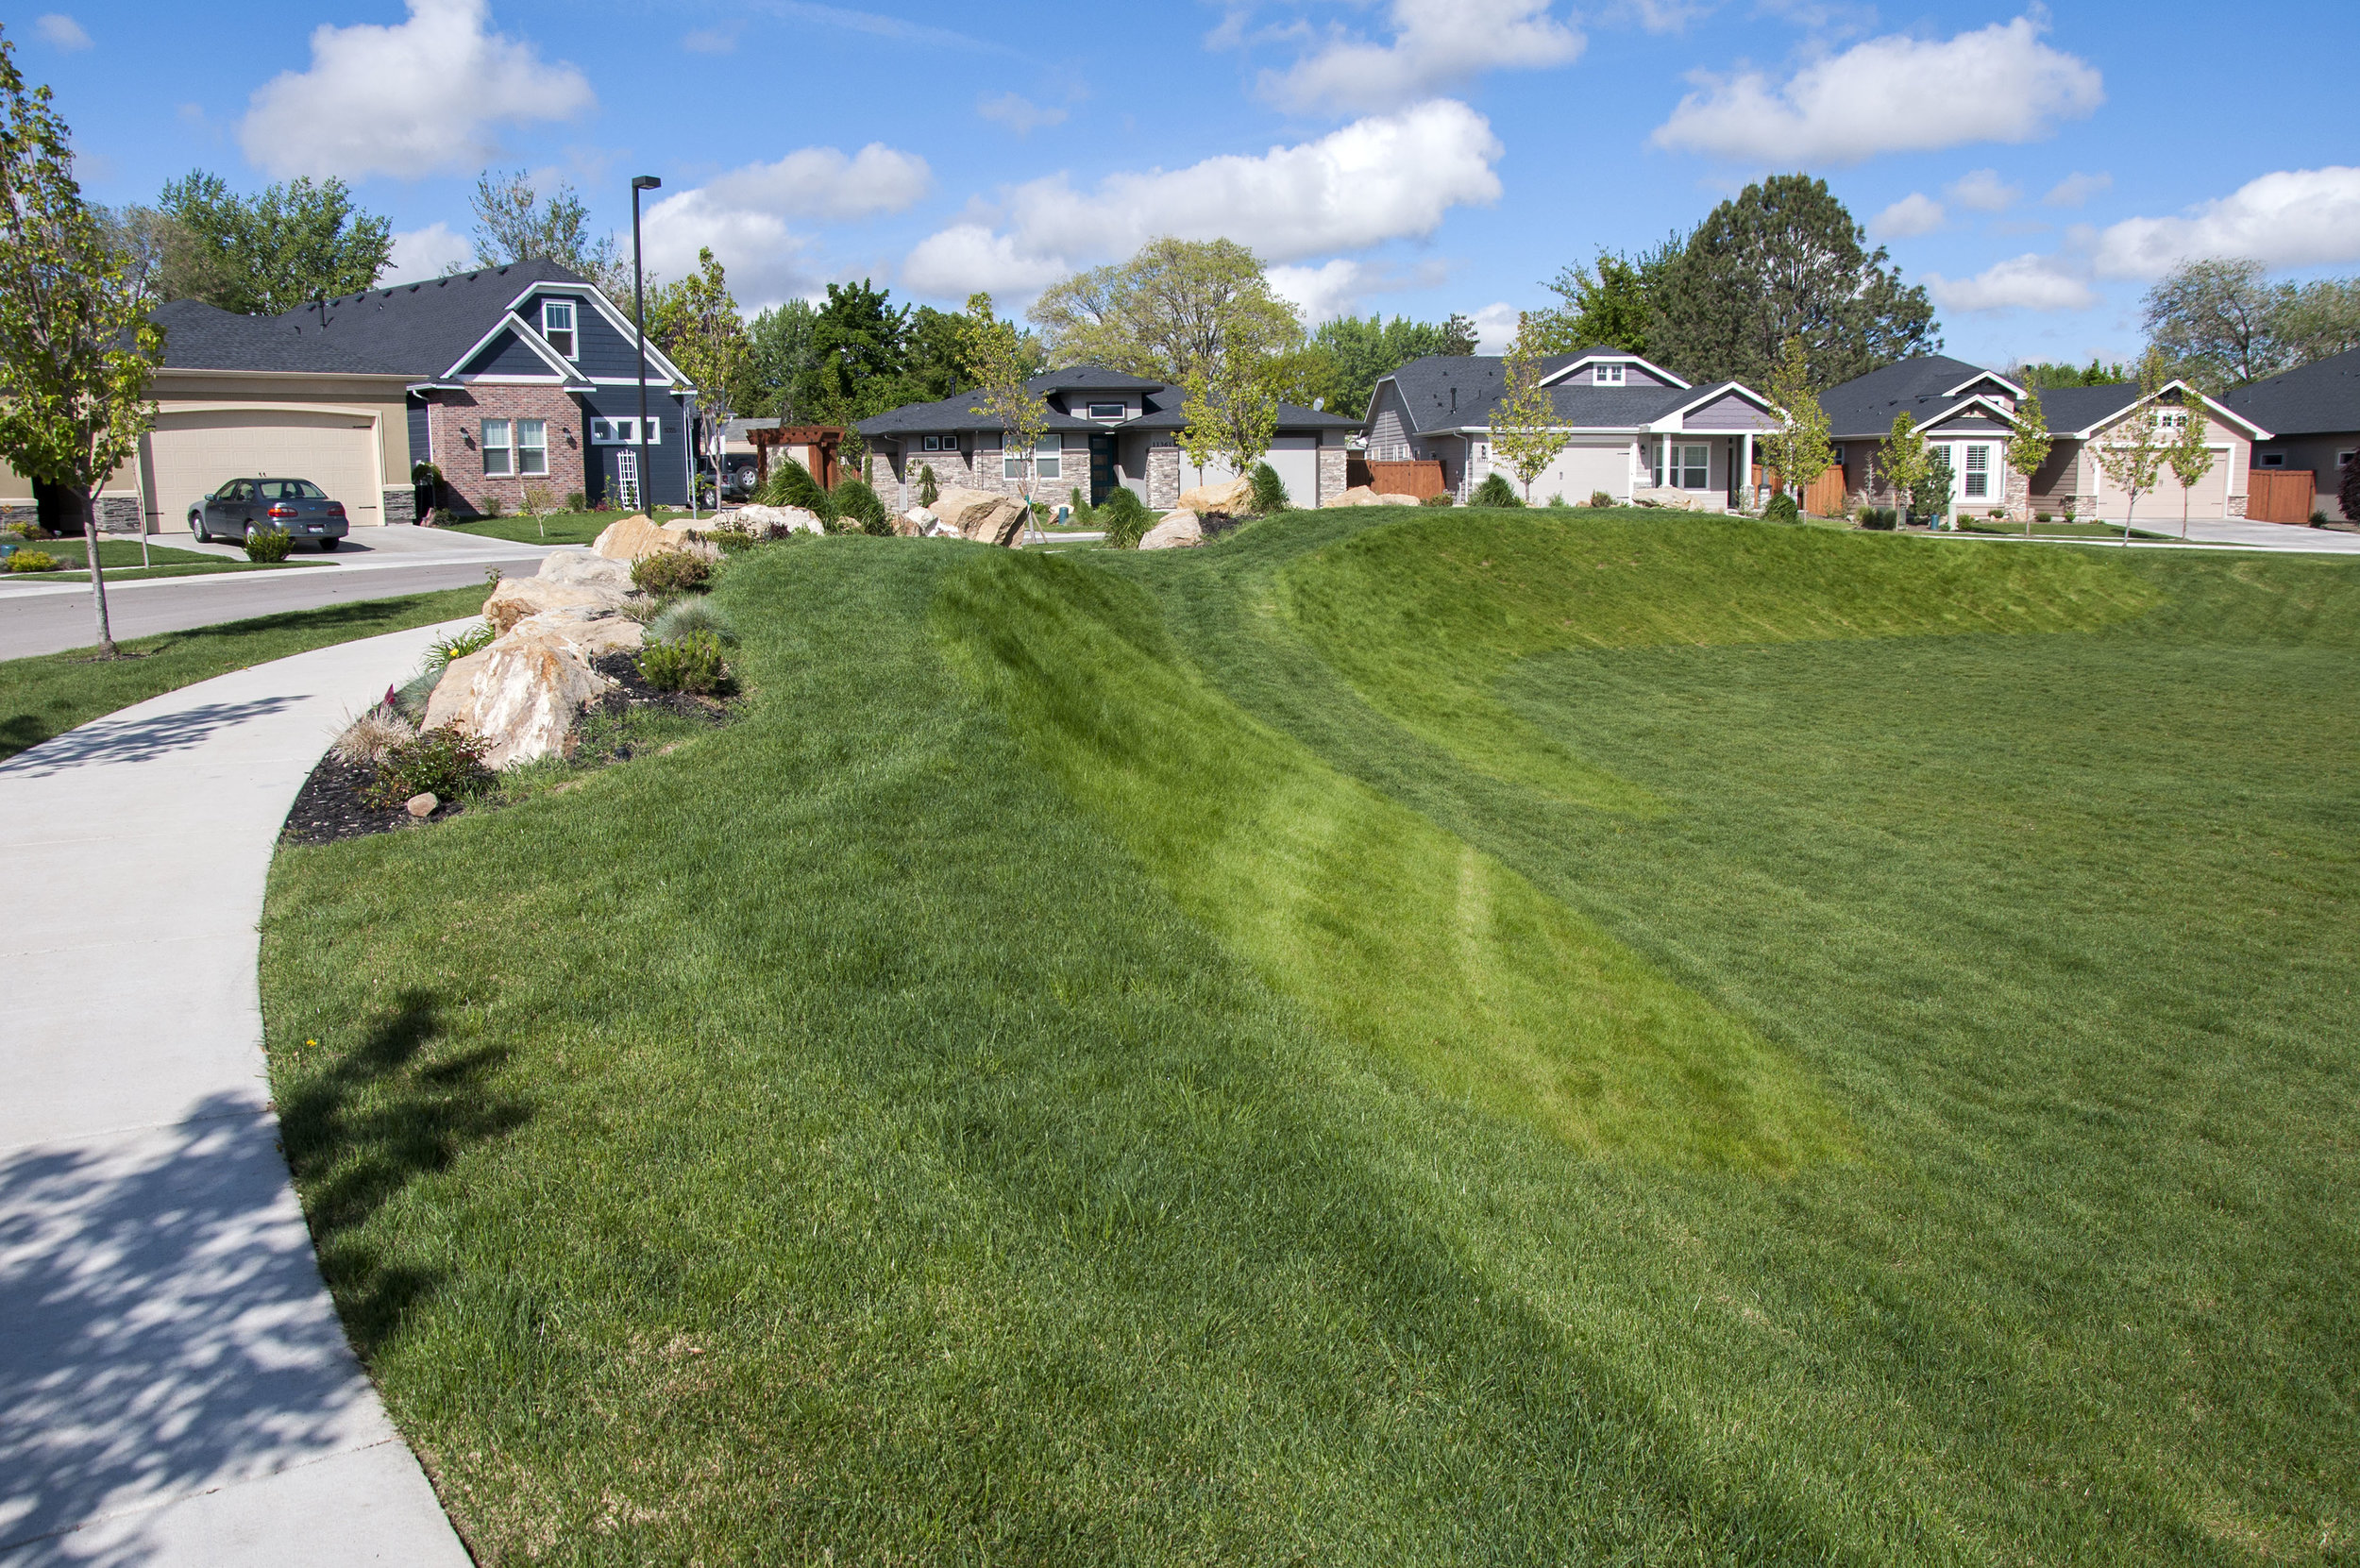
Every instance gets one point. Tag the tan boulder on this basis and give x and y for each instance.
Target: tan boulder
(1360, 495)
(518, 597)
(630, 538)
(453, 701)
(528, 694)
(595, 633)
(774, 522)
(588, 570)
(915, 523)
(981, 514)
(1176, 530)
(1230, 498)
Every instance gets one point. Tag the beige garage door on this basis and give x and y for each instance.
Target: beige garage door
(2207, 498)
(186, 456)
(1581, 471)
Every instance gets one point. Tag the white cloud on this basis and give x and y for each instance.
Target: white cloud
(419, 254)
(61, 31)
(1019, 113)
(1913, 214)
(1984, 192)
(2293, 218)
(1436, 43)
(2075, 189)
(1495, 327)
(1325, 292)
(1659, 16)
(1375, 179)
(710, 40)
(745, 216)
(1999, 83)
(2027, 282)
(406, 100)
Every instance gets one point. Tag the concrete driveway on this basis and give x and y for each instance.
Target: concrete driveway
(376, 562)
(175, 1387)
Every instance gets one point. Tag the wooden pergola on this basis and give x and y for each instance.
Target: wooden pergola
(822, 441)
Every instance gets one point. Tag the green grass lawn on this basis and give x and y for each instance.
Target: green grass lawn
(52, 693)
(1429, 1036)
(121, 559)
(560, 528)
(2056, 530)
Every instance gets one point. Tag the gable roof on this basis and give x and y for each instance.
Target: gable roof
(1426, 387)
(1556, 366)
(1923, 387)
(1159, 402)
(2318, 399)
(199, 336)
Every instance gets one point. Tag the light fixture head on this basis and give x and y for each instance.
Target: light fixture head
(646, 182)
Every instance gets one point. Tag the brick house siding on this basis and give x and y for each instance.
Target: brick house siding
(456, 423)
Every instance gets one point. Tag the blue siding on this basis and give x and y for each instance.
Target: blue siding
(507, 355)
(606, 351)
(417, 434)
(668, 459)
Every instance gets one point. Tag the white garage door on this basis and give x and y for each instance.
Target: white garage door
(1581, 471)
(2207, 498)
(186, 456)
(1296, 458)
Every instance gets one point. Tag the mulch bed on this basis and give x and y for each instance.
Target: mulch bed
(329, 807)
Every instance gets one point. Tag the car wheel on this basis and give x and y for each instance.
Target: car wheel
(197, 526)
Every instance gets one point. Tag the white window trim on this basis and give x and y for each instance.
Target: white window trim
(1606, 375)
(517, 447)
(573, 334)
(622, 429)
(505, 446)
(1121, 411)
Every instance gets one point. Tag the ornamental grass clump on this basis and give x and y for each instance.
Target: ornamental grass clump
(1125, 518)
(693, 665)
(442, 651)
(791, 484)
(858, 505)
(268, 544)
(444, 763)
(686, 616)
(668, 573)
(372, 737)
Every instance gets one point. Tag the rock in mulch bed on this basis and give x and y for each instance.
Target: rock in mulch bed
(329, 807)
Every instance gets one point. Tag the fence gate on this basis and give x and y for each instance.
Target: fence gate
(2281, 495)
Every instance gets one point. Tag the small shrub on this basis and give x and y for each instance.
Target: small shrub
(685, 617)
(577, 502)
(372, 737)
(1082, 509)
(1124, 518)
(1269, 491)
(859, 504)
(268, 544)
(732, 539)
(2319, 519)
(443, 762)
(667, 573)
(691, 665)
(1495, 491)
(928, 492)
(1600, 497)
(440, 652)
(35, 561)
(2040, 516)
(439, 518)
(20, 530)
(1782, 509)
(494, 506)
(1445, 498)
(1879, 518)
(1998, 513)
(2068, 511)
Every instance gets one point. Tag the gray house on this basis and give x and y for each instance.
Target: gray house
(1634, 429)
(2314, 417)
(1106, 431)
(1968, 412)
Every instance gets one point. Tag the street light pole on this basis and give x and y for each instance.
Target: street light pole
(639, 311)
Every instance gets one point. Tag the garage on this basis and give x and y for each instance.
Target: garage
(190, 452)
(1295, 458)
(2207, 498)
(1584, 468)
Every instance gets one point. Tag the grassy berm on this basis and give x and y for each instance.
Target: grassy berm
(1416, 1038)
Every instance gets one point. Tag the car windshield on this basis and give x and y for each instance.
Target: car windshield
(292, 490)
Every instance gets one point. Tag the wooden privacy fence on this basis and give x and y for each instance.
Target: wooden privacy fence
(1824, 496)
(2281, 495)
(1402, 479)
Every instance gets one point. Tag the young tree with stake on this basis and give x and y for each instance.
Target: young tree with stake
(2132, 452)
(77, 349)
(1901, 461)
(1796, 450)
(1001, 365)
(2028, 447)
(2189, 456)
(1525, 427)
(1232, 401)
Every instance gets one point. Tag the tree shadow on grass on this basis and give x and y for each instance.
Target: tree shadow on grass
(360, 1129)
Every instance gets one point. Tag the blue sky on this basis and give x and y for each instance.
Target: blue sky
(2035, 169)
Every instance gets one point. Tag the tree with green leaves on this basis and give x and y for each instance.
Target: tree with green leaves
(1610, 305)
(514, 224)
(1526, 430)
(2190, 456)
(1784, 260)
(2131, 451)
(77, 348)
(1169, 310)
(2028, 445)
(695, 321)
(1796, 448)
(1364, 353)
(2223, 321)
(1001, 365)
(858, 350)
(778, 357)
(2058, 373)
(1930, 498)
(1902, 461)
(1232, 400)
(262, 255)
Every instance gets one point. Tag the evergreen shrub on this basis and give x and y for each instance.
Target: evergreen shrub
(858, 505)
(1125, 518)
(1495, 491)
(1269, 491)
(271, 543)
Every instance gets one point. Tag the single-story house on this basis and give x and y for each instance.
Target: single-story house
(1106, 431)
(1969, 413)
(503, 378)
(1634, 429)
(2314, 416)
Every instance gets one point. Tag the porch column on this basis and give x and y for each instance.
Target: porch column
(1745, 471)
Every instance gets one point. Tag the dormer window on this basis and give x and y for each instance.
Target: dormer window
(1606, 375)
(1106, 410)
(557, 325)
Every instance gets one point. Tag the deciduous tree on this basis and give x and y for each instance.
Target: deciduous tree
(77, 348)
(2189, 455)
(1901, 461)
(1001, 365)
(1608, 305)
(2131, 451)
(1796, 447)
(695, 321)
(2028, 445)
(514, 224)
(1526, 430)
(1365, 351)
(1784, 260)
(267, 254)
(1169, 310)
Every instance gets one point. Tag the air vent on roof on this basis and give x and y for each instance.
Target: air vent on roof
(416, 287)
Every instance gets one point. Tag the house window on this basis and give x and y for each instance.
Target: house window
(500, 458)
(624, 432)
(2343, 460)
(934, 444)
(532, 445)
(1978, 472)
(557, 325)
(949, 443)
(1607, 375)
(1046, 460)
(1682, 467)
(1105, 411)
(2273, 460)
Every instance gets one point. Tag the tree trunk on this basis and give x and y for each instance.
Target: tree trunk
(97, 575)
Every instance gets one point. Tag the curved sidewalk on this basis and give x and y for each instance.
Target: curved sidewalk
(174, 1388)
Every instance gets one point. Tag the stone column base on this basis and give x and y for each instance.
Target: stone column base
(400, 506)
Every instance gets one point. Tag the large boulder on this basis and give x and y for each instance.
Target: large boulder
(980, 515)
(453, 700)
(1360, 495)
(593, 571)
(774, 522)
(630, 538)
(518, 597)
(522, 696)
(1176, 530)
(1229, 498)
(592, 633)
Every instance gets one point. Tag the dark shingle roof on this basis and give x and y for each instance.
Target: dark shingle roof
(1921, 388)
(2318, 399)
(1480, 381)
(1161, 401)
(414, 330)
(2079, 408)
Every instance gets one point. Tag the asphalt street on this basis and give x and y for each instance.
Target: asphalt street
(49, 617)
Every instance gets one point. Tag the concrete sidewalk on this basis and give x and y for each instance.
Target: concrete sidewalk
(174, 1388)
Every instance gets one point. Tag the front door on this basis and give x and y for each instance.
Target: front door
(1101, 468)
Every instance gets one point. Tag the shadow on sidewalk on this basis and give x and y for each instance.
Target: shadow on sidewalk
(106, 740)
